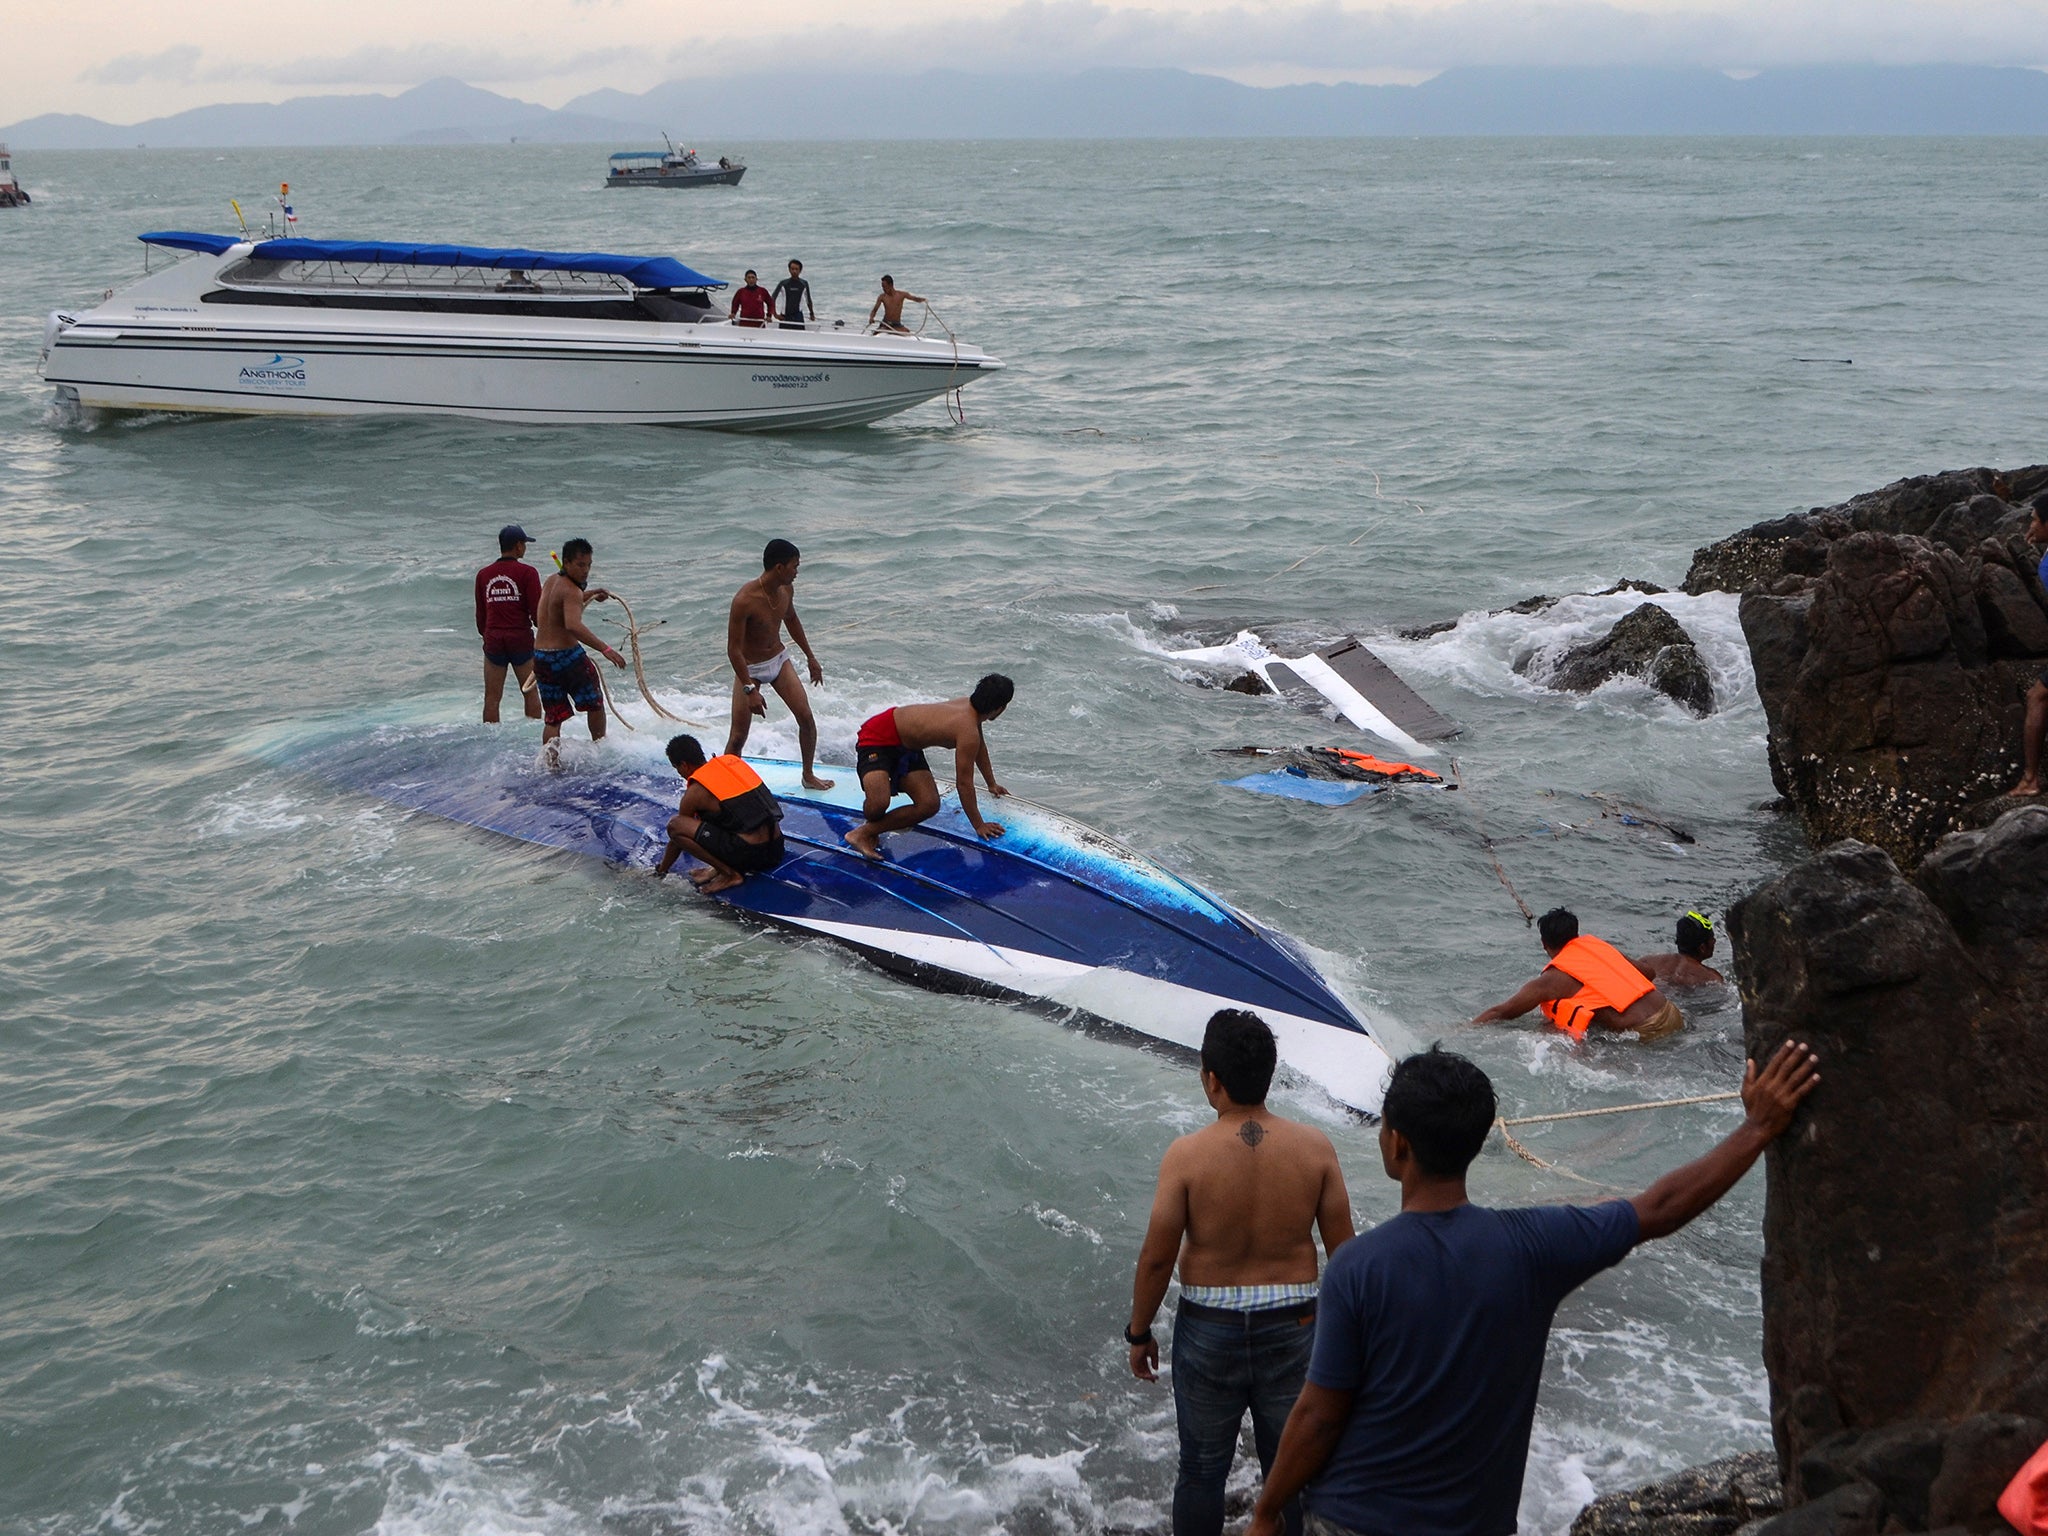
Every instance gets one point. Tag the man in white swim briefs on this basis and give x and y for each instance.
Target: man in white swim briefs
(760, 660)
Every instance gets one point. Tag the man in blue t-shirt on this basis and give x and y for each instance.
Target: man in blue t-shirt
(2035, 732)
(1429, 1343)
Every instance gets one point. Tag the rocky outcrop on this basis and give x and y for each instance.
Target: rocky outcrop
(1893, 670)
(1714, 1500)
(1648, 643)
(1758, 557)
(1905, 1276)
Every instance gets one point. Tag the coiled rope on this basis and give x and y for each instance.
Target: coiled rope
(639, 675)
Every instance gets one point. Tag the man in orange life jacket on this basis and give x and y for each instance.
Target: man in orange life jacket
(1589, 984)
(728, 818)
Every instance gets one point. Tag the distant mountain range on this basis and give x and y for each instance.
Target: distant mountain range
(1118, 104)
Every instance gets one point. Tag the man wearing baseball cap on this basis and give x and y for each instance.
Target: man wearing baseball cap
(507, 599)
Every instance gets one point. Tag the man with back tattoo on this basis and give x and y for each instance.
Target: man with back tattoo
(1236, 1205)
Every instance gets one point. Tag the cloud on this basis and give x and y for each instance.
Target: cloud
(173, 64)
(412, 64)
(1327, 37)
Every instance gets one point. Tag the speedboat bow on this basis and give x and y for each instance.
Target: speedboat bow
(298, 327)
(1051, 911)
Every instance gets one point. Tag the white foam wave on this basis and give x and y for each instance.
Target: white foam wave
(1495, 654)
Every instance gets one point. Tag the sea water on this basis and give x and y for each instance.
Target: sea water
(363, 1172)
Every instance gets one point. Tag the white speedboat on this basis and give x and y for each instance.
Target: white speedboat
(360, 328)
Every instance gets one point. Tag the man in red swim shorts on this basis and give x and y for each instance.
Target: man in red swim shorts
(889, 758)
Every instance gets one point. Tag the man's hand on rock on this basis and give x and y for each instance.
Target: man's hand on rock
(1772, 1095)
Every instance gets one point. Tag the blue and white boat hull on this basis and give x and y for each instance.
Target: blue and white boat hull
(1051, 912)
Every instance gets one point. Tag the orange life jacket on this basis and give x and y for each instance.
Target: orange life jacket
(1607, 979)
(1367, 762)
(744, 802)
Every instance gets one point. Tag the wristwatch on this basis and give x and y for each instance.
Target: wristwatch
(1135, 1340)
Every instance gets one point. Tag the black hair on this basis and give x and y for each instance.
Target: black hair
(1444, 1105)
(887, 278)
(1239, 1049)
(507, 545)
(574, 547)
(778, 552)
(991, 694)
(1557, 928)
(685, 752)
(1695, 938)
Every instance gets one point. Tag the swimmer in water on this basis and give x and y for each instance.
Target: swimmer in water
(889, 757)
(1688, 967)
(761, 610)
(568, 681)
(1588, 984)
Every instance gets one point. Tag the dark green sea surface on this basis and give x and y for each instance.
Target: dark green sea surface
(361, 1172)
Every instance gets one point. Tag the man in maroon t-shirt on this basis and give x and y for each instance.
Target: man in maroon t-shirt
(507, 598)
(751, 305)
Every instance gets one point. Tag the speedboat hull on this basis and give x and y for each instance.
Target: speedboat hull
(1051, 912)
(709, 176)
(189, 339)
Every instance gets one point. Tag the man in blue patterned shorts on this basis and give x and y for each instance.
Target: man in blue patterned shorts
(568, 682)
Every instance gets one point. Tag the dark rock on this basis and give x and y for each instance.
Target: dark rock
(1959, 507)
(1647, 643)
(1982, 1456)
(1248, 682)
(1855, 1509)
(1899, 1460)
(1905, 1274)
(1713, 1500)
(1894, 684)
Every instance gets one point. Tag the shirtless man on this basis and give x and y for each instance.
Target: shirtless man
(568, 682)
(1588, 984)
(889, 757)
(753, 644)
(891, 305)
(1235, 1205)
(1688, 967)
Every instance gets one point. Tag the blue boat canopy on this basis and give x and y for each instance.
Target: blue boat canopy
(640, 271)
(178, 240)
(641, 154)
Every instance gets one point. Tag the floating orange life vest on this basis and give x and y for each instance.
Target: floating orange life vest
(744, 802)
(1367, 763)
(1607, 979)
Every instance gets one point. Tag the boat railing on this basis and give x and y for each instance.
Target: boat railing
(329, 275)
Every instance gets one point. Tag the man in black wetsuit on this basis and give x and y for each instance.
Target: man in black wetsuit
(793, 297)
(728, 819)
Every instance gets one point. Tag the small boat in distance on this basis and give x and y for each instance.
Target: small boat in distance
(671, 167)
(298, 327)
(12, 193)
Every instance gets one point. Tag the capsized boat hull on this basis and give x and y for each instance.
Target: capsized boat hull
(1050, 912)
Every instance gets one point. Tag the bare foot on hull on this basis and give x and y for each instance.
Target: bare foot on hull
(551, 755)
(866, 842)
(702, 877)
(812, 781)
(2023, 789)
(719, 882)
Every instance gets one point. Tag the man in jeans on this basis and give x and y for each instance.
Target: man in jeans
(1236, 1204)
(1415, 1416)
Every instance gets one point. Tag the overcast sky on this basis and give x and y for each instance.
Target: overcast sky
(121, 61)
